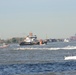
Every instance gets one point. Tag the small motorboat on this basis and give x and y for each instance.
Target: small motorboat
(4, 45)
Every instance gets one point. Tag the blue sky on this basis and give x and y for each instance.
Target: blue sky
(56, 18)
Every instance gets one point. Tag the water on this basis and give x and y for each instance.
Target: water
(38, 59)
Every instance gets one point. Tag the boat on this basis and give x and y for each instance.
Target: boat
(4, 45)
(66, 40)
(32, 40)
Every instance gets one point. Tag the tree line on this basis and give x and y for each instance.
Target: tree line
(12, 40)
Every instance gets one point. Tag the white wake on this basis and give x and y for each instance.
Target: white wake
(70, 58)
(52, 48)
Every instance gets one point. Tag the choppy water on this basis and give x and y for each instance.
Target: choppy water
(38, 60)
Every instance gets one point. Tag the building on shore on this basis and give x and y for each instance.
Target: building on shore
(73, 38)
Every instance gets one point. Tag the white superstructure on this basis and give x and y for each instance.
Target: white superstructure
(31, 38)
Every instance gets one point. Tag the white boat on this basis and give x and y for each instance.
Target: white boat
(4, 45)
(70, 58)
(30, 40)
(66, 40)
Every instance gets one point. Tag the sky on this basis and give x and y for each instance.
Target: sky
(44, 18)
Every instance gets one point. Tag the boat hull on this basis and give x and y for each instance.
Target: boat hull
(32, 43)
(29, 43)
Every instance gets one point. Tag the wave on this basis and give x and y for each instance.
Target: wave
(70, 58)
(52, 48)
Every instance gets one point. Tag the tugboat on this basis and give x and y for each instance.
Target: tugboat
(32, 40)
